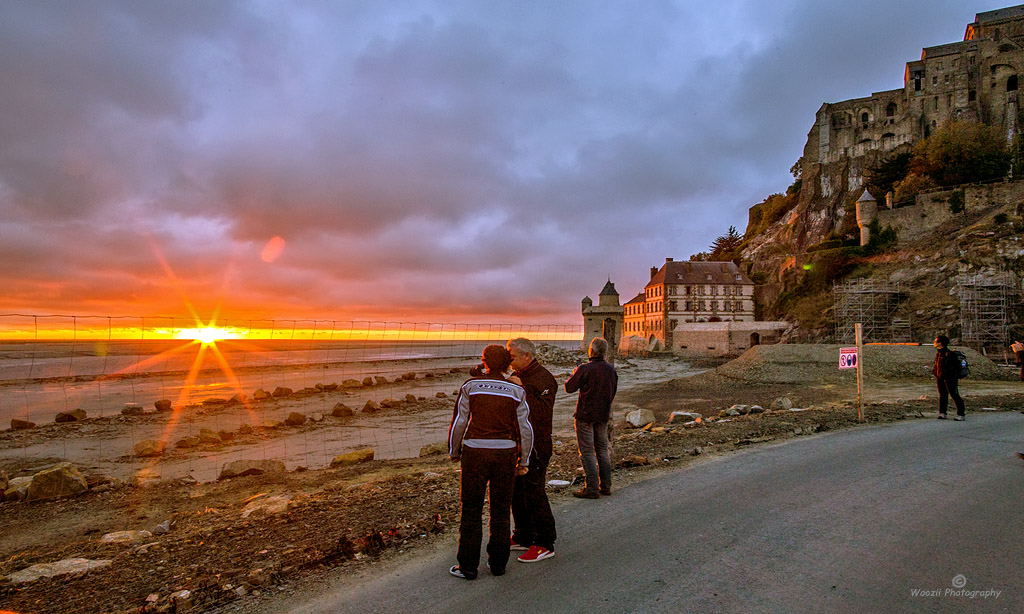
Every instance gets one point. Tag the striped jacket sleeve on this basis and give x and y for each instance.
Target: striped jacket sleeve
(460, 422)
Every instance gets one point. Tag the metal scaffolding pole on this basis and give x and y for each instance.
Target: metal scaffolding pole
(873, 303)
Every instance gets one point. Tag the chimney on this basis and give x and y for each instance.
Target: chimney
(667, 260)
(654, 271)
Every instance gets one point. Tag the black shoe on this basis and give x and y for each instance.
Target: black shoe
(1020, 455)
(496, 571)
(959, 418)
(605, 491)
(458, 573)
(942, 416)
(583, 493)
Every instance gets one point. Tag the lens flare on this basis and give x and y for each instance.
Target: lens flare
(272, 249)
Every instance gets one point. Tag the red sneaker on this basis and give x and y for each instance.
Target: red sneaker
(536, 553)
(516, 546)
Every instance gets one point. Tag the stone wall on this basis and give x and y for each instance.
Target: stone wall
(724, 338)
(933, 209)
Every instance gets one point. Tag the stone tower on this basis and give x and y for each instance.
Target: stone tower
(604, 319)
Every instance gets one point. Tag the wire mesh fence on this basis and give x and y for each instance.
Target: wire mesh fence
(299, 391)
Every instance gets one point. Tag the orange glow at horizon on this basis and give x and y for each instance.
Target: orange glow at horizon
(399, 332)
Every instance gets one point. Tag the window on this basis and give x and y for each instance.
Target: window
(947, 79)
(935, 79)
(971, 95)
(687, 290)
(1011, 83)
(935, 103)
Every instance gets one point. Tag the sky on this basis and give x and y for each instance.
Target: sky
(448, 161)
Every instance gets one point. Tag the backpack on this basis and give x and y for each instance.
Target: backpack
(961, 360)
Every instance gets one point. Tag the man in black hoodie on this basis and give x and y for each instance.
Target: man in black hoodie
(597, 383)
(535, 524)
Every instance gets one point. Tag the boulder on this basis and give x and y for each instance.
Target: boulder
(282, 391)
(330, 387)
(125, 537)
(740, 409)
(756, 409)
(440, 394)
(781, 403)
(380, 380)
(683, 416)
(351, 383)
(434, 448)
(271, 424)
(409, 376)
(238, 399)
(368, 381)
(390, 403)
(60, 480)
(209, 436)
(132, 409)
(728, 413)
(163, 405)
(238, 468)
(316, 417)
(410, 398)
(214, 401)
(226, 436)
(70, 416)
(353, 458)
(149, 447)
(639, 417)
(245, 429)
(60, 568)
(267, 505)
(295, 419)
(341, 410)
(370, 407)
(17, 489)
(260, 395)
(187, 442)
(20, 425)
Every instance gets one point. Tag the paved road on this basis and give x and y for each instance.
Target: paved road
(852, 521)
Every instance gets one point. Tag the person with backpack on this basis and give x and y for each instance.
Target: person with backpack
(947, 374)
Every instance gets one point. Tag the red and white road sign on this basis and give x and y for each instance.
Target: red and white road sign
(847, 358)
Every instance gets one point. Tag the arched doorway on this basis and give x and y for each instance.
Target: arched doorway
(755, 339)
(1011, 83)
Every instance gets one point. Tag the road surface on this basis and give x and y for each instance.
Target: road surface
(919, 516)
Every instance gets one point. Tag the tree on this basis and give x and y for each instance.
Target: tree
(881, 178)
(725, 246)
(962, 152)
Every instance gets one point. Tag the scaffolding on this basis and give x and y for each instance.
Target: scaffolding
(986, 305)
(872, 302)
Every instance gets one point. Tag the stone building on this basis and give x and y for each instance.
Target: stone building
(974, 79)
(603, 319)
(688, 292)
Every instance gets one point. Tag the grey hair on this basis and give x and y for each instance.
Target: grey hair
(598, 348)
(523, 345)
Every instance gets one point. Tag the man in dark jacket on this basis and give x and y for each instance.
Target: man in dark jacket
(947, 373)
(535, 524)
(597, 383)
(491, 434)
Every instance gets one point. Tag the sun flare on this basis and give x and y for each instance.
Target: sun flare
(207, 334)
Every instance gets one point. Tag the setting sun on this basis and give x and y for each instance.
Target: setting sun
(207, 334)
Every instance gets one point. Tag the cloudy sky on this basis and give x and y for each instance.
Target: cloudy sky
(452, 160)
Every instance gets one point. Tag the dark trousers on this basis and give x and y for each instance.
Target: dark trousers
(480, 467)
(535, 524)
(948, 388)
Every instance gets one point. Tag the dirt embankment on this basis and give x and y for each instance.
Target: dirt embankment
(346, 517)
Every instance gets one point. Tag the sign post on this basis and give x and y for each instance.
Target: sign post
(850, 358)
